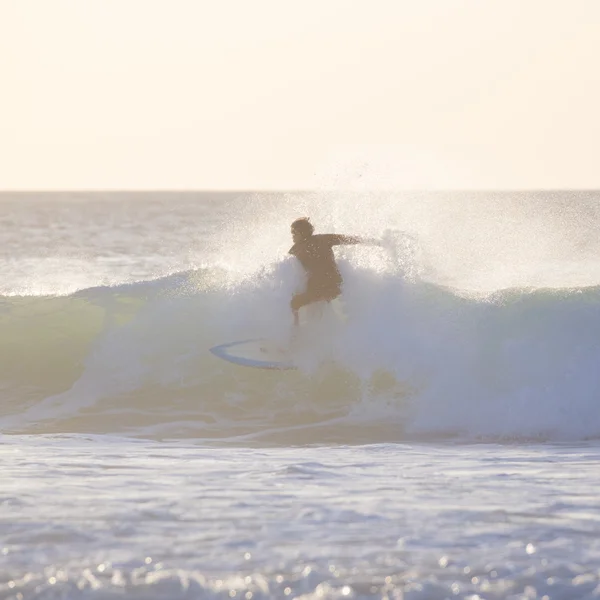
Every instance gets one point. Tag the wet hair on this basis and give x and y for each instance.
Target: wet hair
(303, 226)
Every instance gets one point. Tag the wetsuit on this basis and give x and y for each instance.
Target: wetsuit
(315, 253)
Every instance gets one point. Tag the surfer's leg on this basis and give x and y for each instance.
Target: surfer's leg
(310, 296)
(298, 301)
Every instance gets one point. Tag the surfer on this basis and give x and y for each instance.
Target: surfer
(315, 253)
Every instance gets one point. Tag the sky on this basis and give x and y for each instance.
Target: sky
(282, 94)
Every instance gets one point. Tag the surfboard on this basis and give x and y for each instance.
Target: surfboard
(260, 353)
(256, 353)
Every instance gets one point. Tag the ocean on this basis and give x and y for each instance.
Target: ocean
(440, 438)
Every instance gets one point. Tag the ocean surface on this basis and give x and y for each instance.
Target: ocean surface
(440, 438)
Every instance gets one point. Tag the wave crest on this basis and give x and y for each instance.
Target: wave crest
(413, 359)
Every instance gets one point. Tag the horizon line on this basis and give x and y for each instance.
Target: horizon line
(286, 190)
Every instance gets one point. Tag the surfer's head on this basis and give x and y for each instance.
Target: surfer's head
(302, 229)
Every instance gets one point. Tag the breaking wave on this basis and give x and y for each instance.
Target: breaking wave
(412, 359)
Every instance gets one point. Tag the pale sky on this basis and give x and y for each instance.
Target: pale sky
(284, 94)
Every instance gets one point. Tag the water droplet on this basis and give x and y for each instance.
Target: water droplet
(530, 549)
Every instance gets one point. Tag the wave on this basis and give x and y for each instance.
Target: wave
(412, 360)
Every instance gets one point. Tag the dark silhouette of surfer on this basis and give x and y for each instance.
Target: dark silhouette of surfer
(315, 253)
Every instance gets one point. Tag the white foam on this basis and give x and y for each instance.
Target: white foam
(516, 364)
